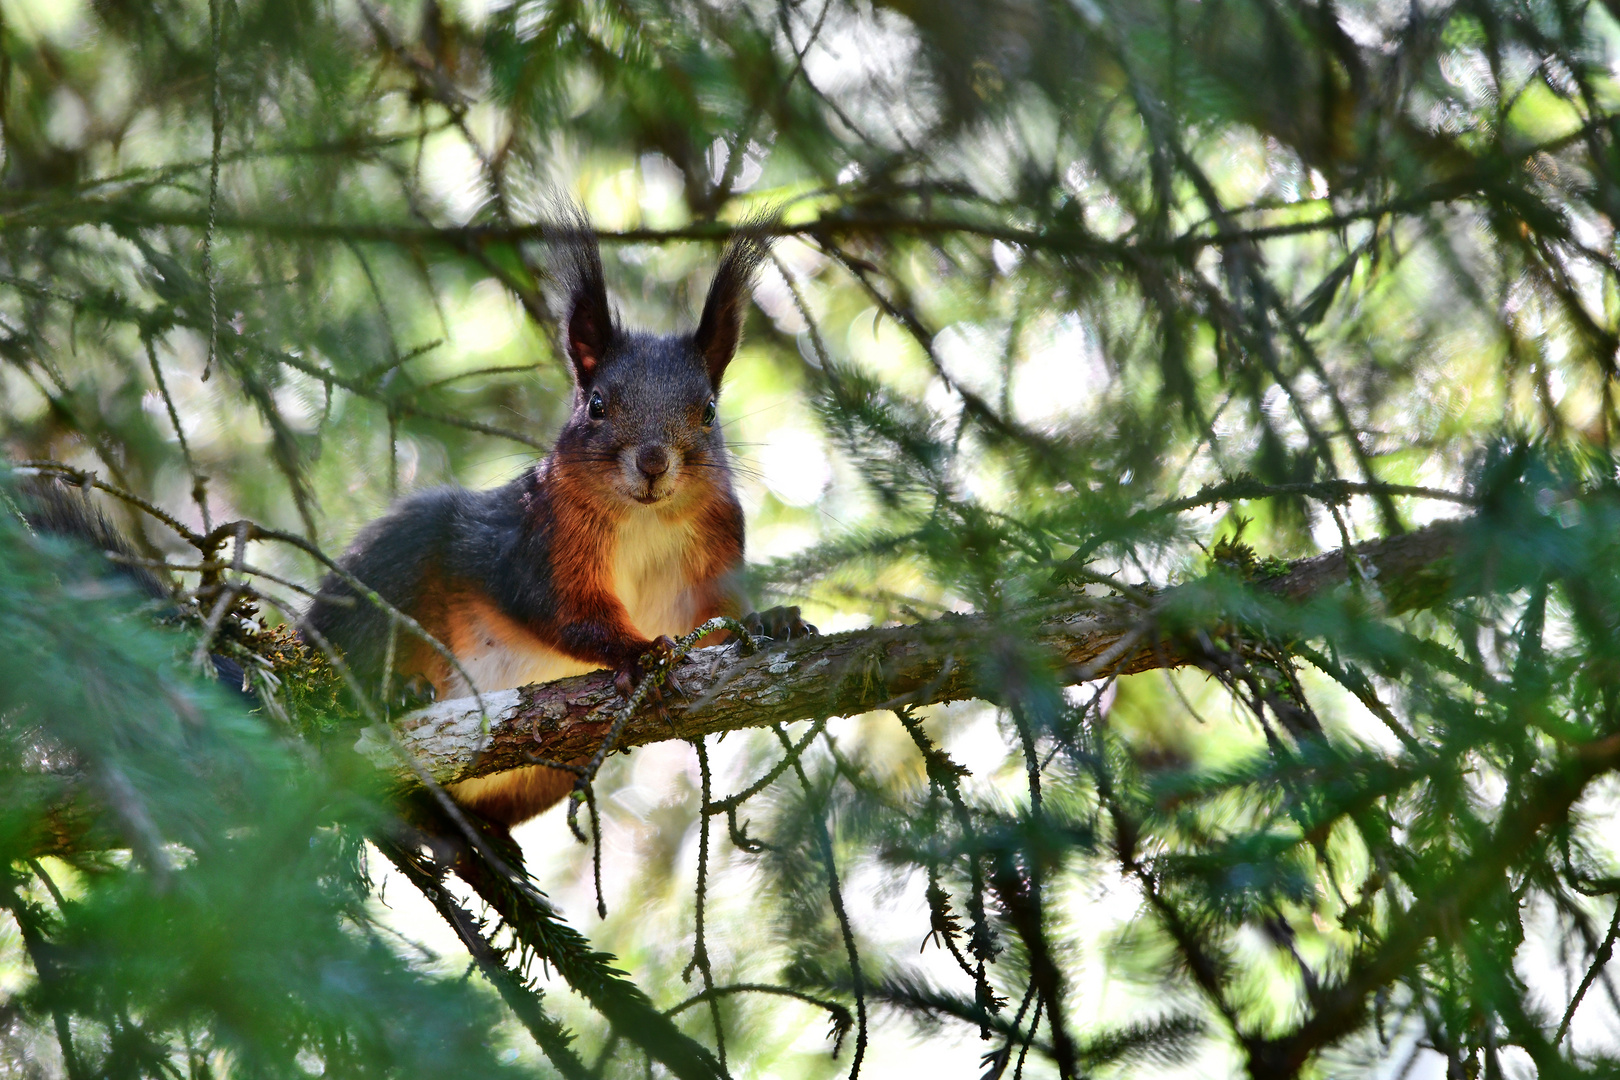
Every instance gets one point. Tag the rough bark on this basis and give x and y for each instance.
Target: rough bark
(862, 670)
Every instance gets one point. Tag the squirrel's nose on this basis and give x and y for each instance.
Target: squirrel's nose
(653, 461)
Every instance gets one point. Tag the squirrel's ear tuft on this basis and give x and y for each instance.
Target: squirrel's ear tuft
(588, 326)
(720, 329)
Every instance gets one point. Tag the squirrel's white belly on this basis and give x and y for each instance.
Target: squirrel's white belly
(649, 574)
(649, 578)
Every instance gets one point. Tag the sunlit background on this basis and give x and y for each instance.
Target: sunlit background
(356, 357)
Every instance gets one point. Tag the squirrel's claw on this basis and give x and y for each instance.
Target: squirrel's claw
(414, 693)
(675, 684)
(660, 703)
(659, 654)
(779, 624)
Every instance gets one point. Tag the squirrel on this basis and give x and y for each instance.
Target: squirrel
(626, 535)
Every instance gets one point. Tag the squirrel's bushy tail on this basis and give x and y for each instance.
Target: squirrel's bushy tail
(56, 508)
(52, 507)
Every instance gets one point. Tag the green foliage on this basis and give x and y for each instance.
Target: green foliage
(233, 933)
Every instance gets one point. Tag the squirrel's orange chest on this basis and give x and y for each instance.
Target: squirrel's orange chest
(648, 572)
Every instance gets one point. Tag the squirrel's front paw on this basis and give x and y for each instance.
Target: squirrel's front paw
(778, 624)
(657, 654)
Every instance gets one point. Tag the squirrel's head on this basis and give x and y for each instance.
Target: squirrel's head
(645, 428)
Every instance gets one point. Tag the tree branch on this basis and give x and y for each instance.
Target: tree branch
(1450, 901)
(860, 671)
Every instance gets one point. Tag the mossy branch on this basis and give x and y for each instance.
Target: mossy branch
(863, 670)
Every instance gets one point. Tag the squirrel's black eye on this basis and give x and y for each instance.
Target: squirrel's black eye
(597, 408)
(708, 413)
